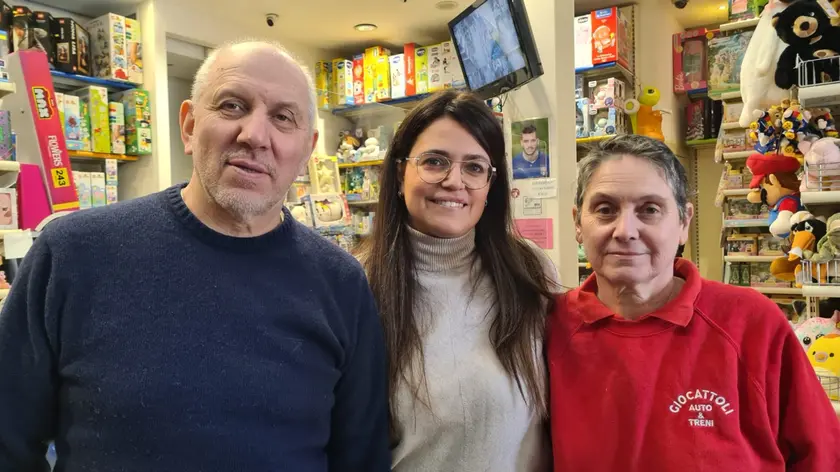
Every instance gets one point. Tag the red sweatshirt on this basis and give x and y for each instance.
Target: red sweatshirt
(714, 381)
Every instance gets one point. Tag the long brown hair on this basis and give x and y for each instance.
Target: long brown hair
(522, 289)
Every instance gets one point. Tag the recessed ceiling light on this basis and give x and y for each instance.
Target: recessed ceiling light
(722, 7)
(365, 27)
(446, 5)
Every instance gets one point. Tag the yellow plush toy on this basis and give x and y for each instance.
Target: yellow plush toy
(824, 355)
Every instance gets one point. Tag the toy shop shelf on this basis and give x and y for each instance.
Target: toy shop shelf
(98, 156)
(610, 69)
(757, 223)
(593, 139)
(736, 192)
(360, 164)
(750, 258)
(778, 290)
(820, 198)
(728, 126)
(702, 143)
(820, 95)
(7, 88)
(734, 156)
(65, 81)
(362, 203)
(738, 25)
(821, 291)
(405, 103)
(9, 173)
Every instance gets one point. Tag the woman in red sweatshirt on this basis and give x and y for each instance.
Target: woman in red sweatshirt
(653, 368)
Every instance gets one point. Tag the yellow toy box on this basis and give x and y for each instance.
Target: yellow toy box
(134, 50)
(370, 63)
(436, 76)
(95, 99)
(323, 82)
(382, 81)
(342, 92)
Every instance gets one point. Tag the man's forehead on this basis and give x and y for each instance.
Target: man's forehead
(263, 69)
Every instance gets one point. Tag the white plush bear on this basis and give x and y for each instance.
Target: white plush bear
(758, 69)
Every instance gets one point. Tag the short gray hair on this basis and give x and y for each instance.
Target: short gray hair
(649, 149)
(200, 80)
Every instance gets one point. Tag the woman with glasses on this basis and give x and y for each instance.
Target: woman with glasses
(463, 298)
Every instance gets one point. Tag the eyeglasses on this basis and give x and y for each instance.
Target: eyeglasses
(433, 169)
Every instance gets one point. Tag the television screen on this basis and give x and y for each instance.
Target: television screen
(495, 46)
(490, 45)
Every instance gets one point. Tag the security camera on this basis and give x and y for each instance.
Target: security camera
(680, 3)
(270, 19)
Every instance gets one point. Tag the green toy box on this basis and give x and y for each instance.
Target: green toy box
(138, 121)
(95, 100)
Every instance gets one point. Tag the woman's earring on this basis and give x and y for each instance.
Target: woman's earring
(485, 202)
(399, 193)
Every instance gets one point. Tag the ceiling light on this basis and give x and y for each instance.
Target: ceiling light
(722, 7)
(446, 5)
(365, 27)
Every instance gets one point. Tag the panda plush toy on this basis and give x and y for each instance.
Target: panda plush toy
(807, 30)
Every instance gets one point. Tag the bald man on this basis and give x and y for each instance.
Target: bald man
(200, 328)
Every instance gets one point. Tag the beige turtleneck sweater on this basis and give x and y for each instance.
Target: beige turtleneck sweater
(478, 421)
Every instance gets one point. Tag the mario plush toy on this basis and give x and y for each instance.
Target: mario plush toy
(775, 184)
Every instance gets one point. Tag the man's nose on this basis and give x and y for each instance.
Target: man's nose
(255, 129)
(626, 226)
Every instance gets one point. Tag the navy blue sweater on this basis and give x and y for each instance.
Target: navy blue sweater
(141, 340)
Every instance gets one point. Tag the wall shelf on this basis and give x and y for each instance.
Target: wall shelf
(779, 290)
(728, 126)
(7, 88)
(386, 106)
(736, 192)
(362, 203)
(750, 258)
(65, 81)
(734, 156)
(608, 69)
(820, 95)
(757, 223)
(702, 143)
(348, 165)
(738, 25)
(98, 156)
(821, 291)
(820, 198)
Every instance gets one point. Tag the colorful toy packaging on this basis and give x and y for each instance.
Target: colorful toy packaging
(410, 61)
(23, 36)
(134, 50)
(323, 82)
(398, 75)
(372, 89)
(342, 88)
(116, 119)
(97, 189)
(95, 99)
(583, 41)
(138, 121)
(382, 79)
(45, 26)
(421, 67)
(359, 79)
(5, 135)
(72, 48)
(689, 59)
(435, 68)
(610, 40)
(82, 180)
(73, 124)
(107, 34)
(725, 56)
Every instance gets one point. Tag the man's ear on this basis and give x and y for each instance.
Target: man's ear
(686, 223)
(315, 135)
(186, 119)
(578, 237)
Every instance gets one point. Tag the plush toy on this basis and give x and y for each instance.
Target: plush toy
(806, 230)
(775, 183)
(371, 150)
(758, 68)
(822, 164)
(828, 247)
(765, 128)
(824, 355)
(300, 214)
(326, 179)
(794, 125)
(644, 119)
(807, 30)
(815, 328)
(823, 123)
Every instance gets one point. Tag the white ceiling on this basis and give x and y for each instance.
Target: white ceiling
(92, 8)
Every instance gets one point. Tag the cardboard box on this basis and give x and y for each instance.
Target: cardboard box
(452, 66)
(96, 100)
(59, 105)
(323, 81)
(446, 61)
(371, 68)
(582, 125)
(72, 47)
(73, 124)
(97, 189)
(85, 136)
(436, 81)
(23, 24)
(134, 50)
(421, 70)
(83, 188)
(689, 75)
(6, 15)
(111, 172)
(138, 121)
(5, 135)
(359, 79)
(409, 53)
(111, 194)
(44, 34)
(398, 75)
(382, 79)
(583, 41)
(116, 121)
(610, 39)
(107, 36)
(342, 92)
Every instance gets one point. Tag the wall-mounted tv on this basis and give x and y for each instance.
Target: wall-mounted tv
(496, 47)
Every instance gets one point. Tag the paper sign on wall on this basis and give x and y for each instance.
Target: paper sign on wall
(532, 207)
(538, 230)
(537, 188)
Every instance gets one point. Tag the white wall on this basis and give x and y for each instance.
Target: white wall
(552, 96)
(179, 90)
